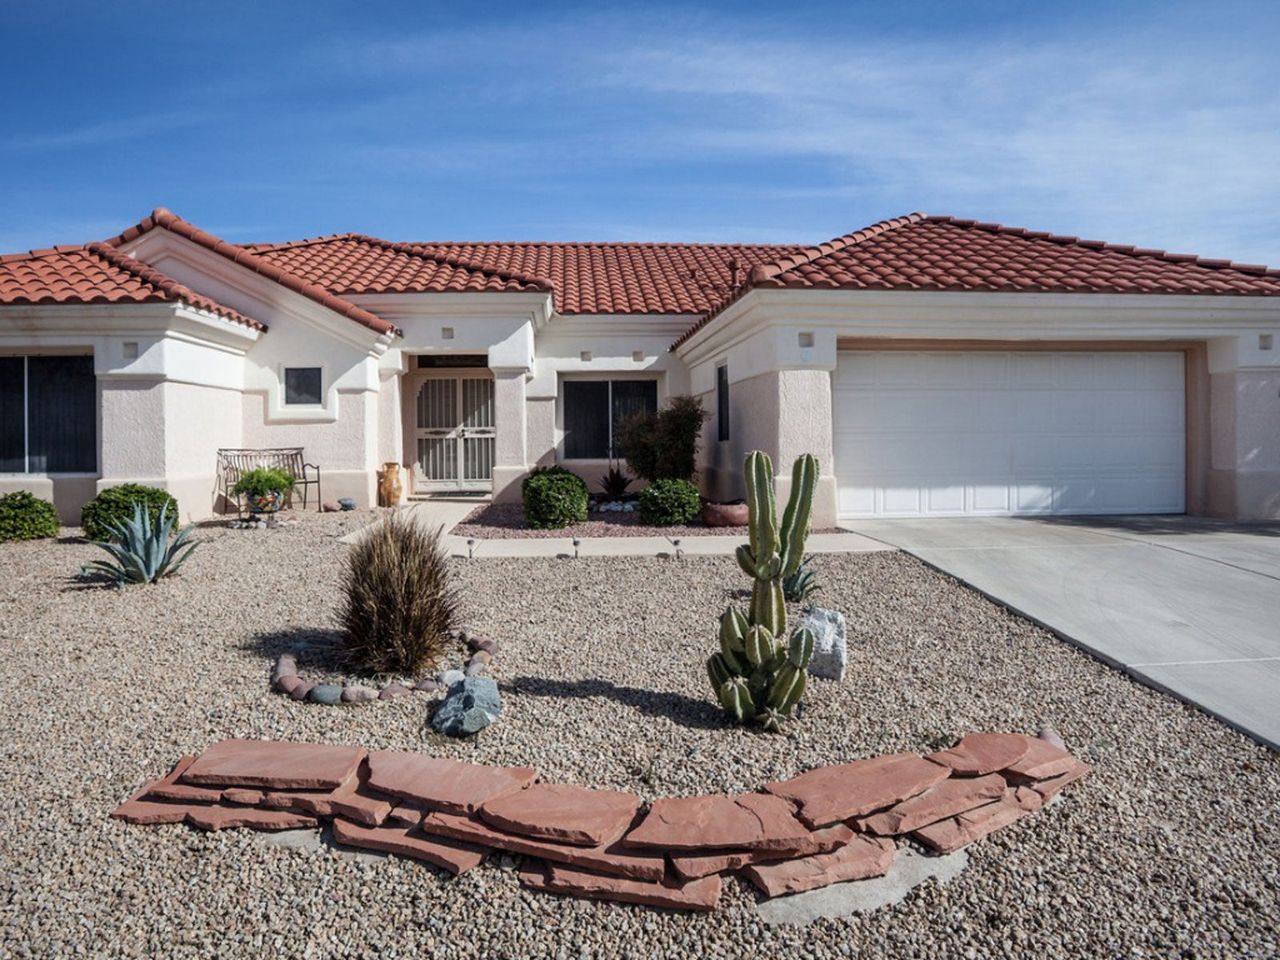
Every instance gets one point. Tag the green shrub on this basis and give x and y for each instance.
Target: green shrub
(669, 503)
(24, 516)
(143, 552)
(553, 497)
(664, 444)
(263, 481)
(399, 603)
(114, 506)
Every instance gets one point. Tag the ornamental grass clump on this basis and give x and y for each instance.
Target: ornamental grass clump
(758, 676)
(399, 600)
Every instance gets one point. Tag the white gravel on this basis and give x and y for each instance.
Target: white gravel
(1168, 850)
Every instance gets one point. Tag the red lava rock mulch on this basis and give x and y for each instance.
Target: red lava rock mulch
(830, 825)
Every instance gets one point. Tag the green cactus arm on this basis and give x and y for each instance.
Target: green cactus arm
(787, 689)
(798, 516)
(770, 720)
(736, 700)
(761, 507)
(769, 606)
(759, 646)
(746, 560)
(801, 650)
(718, 671)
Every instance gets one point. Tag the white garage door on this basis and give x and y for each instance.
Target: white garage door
(954, 433)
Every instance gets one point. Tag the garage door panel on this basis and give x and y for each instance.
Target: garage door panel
(954, 433)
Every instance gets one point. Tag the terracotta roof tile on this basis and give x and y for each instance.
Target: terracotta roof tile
(97, 273)
(165, 219)
(922, 252)
(621, 278)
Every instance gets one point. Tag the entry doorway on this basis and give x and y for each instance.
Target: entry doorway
(453, 431)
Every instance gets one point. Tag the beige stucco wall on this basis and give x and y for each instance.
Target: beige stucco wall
(1244, 415)
(540, 431)
(199, 420)
(67, 492)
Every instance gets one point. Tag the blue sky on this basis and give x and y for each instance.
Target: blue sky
(1149, 123)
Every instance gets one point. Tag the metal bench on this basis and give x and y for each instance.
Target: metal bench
(233, 462)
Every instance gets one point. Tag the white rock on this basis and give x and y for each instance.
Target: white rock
(830, 651)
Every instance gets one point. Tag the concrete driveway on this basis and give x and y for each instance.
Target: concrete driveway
(1186, 605)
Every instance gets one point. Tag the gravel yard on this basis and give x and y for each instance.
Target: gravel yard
(1167, 850)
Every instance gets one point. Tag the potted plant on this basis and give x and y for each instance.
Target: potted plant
(733, 514)
(265, 488)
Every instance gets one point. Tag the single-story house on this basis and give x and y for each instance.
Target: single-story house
(935, 366)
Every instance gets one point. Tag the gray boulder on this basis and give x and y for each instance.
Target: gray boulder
(470, 705)
(327, 693)
(830, 648)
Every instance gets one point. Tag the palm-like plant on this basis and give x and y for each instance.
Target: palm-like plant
(142, 551)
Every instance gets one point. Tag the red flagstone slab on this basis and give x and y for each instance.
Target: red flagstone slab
(611, 859)
(405, 815)
(1042, 761)
(443, 784)
(143, 811)
(316, 802)
(354, 800)
(859, 859)
(699, 895)
(410, 842)
(242, 797)
(1048, 789)
(221, 817)
(952, 796)
(827, 795)
(691, 867)
(951, 834)
(184, 792)
(748, 821)
(563, 813)
(979, 754)
(273, 764)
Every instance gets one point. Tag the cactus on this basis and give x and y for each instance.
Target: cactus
(758, 675)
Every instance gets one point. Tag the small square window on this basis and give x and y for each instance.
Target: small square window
(302, 386)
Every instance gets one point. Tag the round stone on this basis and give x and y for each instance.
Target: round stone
(326, 693)
(358, 693)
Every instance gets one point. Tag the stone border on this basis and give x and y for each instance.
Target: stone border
(285, 678)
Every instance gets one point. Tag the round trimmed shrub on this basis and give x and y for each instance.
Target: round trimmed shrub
(554, 497)
(669, 503)
(115, 505)
(24, 516)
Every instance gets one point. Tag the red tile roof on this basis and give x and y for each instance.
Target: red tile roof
(922, 252)
(97, 273)
(623, 278)
(164, 219)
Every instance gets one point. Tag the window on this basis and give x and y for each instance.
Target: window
(722, 403)
(48, 415)
(302, 385)
(592, 408)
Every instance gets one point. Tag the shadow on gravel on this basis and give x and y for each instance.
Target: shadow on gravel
(685, 711)
(319, 647)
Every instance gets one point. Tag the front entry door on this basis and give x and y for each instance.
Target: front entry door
(455, 434)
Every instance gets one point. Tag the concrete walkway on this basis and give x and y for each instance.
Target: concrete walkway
(1188, 606)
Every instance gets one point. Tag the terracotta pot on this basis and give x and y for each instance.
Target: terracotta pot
(725, 514)
(389, 488)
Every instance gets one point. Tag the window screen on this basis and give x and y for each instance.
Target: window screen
(13, 427)
(302, 385)
(586, 419)
(722, 403)
(629, 398)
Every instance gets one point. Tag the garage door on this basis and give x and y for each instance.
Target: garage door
(988, 433)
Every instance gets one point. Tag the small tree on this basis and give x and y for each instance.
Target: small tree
(664, 444)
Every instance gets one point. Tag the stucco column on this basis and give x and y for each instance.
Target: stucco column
(1244, 416)
(511, 432)
(805, 426)
(132, 424)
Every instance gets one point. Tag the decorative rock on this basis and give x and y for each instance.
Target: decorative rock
(330, 507)
(470, 705)
(405, 815)
(409, 842)
(346, 503)
(949, 798)
(184, 792)
(450, 677)
(861, 858)
(693, 866)
(274, 764)
(611, 858)
(488, 646)
(393, 690)
(427, 685)
(476, 667)
(139, 810)
(358, 694)
(326, 693)
(290, 684)
(830, 643)
(442, 784)
(357, 801)
(1052, 737)
(749, 821)
(286, 666)
(482, 656)
(1042, 760)
(300, 692)
(242, 797)
(829, 794)
(1048, 789)
(981, 753)
(564, 813)
(220, 817)
(701, 894)
(949, 835)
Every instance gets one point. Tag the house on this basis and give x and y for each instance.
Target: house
(935, 366)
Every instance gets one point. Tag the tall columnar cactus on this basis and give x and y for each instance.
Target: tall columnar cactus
(757, 675)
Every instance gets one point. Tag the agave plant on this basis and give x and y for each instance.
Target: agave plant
(802, 584)
(142, 551)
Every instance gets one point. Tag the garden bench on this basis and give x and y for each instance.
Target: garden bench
(235, 461)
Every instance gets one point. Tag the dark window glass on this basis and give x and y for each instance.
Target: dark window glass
(586, 419)
(61, 415)
(722, 403)
(301, 385)
(631, 397)
(12, 426)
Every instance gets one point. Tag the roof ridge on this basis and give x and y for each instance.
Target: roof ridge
(1210, 263)
(412, 250)
(766, 271)
(684, 244)
(304, 242)
(168, 220)
(164, 284)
